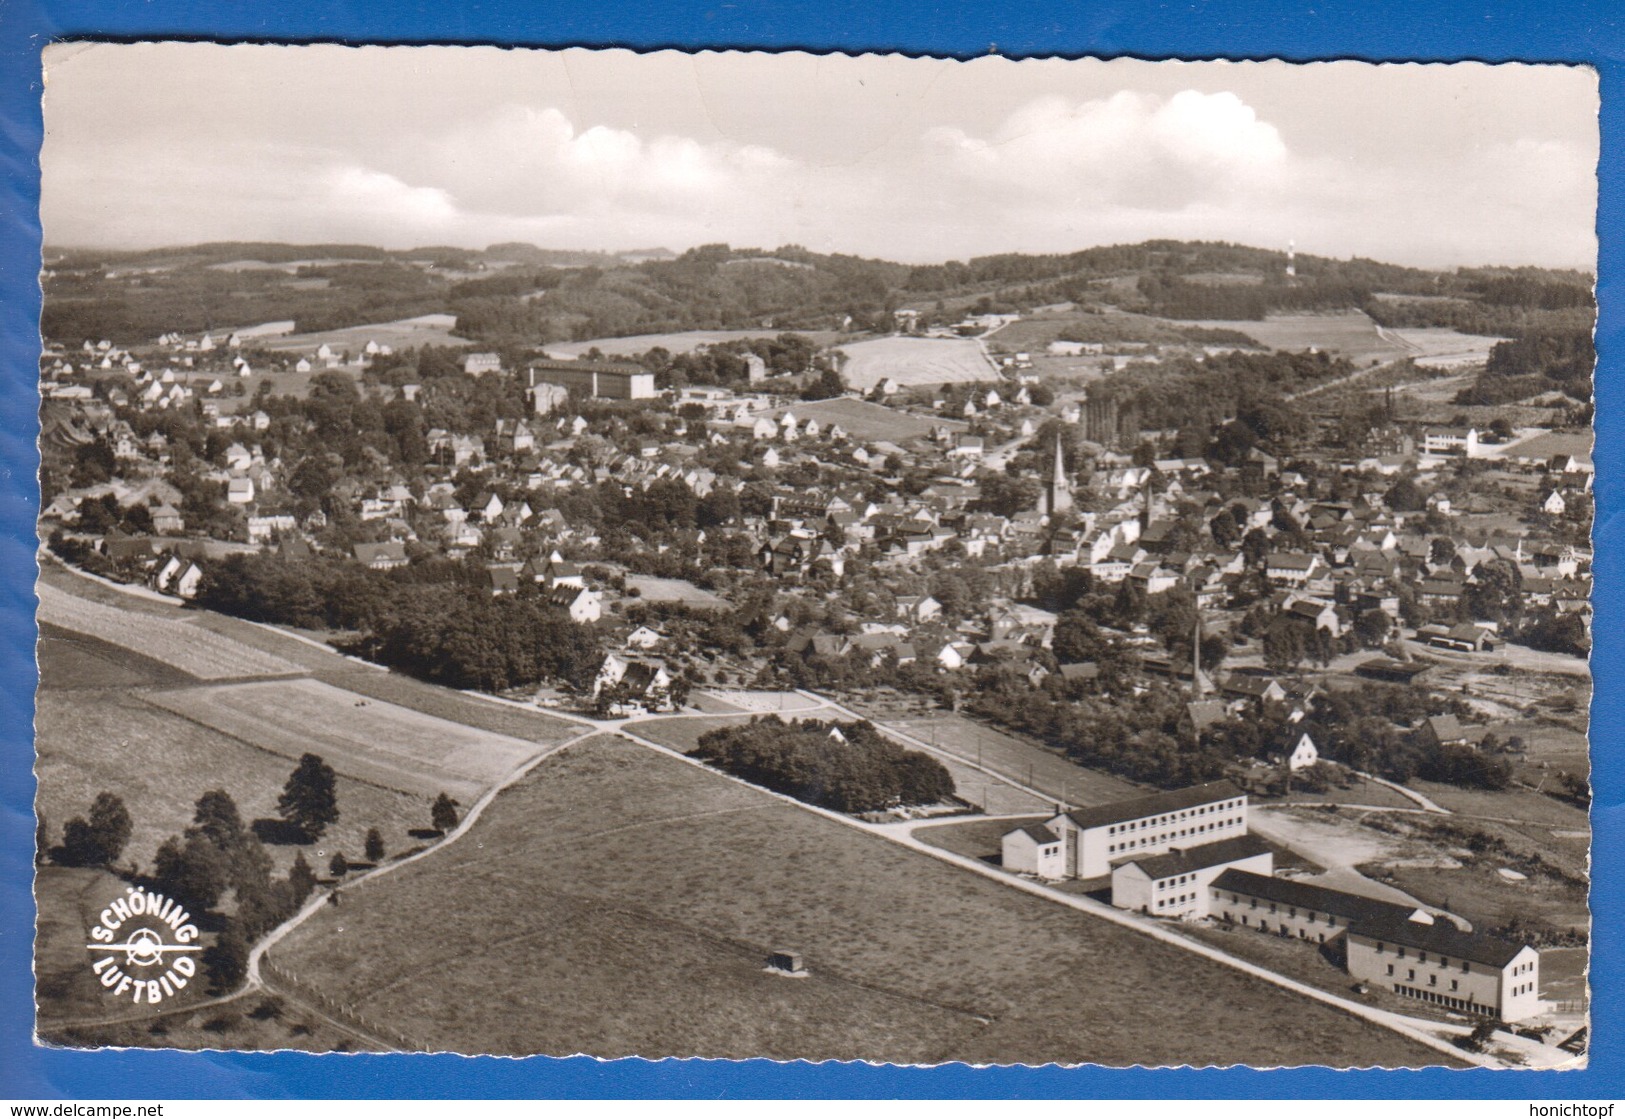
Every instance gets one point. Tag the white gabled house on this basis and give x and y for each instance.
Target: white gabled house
(1034, 849)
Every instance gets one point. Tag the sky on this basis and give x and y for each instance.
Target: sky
(916, 160)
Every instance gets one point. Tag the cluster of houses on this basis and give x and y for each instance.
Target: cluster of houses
(1126, 521)
(1188, 855)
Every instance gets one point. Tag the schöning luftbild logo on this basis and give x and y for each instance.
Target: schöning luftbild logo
(159, 940)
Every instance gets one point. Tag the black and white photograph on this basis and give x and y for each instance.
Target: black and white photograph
(815, 557)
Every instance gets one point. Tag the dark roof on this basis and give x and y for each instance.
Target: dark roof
(1255, 686)
(1441, 937)
(1100, 815)
(1187, 859)
(1319, 899)
(1382, 668)
(1039, 833)
(587, 367)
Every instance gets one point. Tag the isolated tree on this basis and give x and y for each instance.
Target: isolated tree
(338, 866)
(99, 840)
(309, 800)
(444, 813)
(301, 879)
(374, 846)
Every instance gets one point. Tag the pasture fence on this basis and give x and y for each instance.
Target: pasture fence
(345, 1013)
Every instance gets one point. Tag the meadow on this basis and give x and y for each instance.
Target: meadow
(191, 649)
(1349, 334)
(915, 361)
(620, 901)
(160, 764)
(370, 740)
(680, 342)
(1048, 771)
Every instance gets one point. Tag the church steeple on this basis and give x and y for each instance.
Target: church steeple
(1057, 494)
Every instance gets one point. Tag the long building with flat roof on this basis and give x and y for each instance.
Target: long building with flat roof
(602, 379)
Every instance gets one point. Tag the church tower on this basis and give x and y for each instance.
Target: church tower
(1057, 494)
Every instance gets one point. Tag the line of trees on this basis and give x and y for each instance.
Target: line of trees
(448, 633)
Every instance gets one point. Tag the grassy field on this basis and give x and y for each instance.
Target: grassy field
(326, 664)
(555, 908)
(424, 330)
(71, 660)
(1036, 331)
(975, 839)
(869, 422)
(1350, 334)
(1478, 893)
(684, 734)
(193, 650)
(988, 793)
(1051, 773)
(915, 361)
(682, 342)
(254, 1022)
(369, 740)
(1510, 804)
(160, 763)
(64, 986)
(1552, 890)
(453, 706)
(1438, 347)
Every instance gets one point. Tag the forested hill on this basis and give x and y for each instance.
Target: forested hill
(523, 295)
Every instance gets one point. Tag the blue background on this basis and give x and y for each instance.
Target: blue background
(1545, 31)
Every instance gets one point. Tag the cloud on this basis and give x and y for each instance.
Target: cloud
(527, 161)
(1051, 174)
(1128, 149)
(359, 193)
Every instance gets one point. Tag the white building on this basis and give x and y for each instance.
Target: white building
(1034, 849)
(1400, 948)
(1176, 884)
(1101, 835)
(1304, 755)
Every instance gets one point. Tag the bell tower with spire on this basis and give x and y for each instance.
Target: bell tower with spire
(1057, 494)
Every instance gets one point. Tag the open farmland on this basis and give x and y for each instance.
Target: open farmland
(1350, 334)
(1441, 348)
(915, 361)
(160, 763)
(682, 342)
(422, 330)
(866, 421)
(190, 648)
(555, 902)
(970, 784)
(369, 740)
(1050, 773)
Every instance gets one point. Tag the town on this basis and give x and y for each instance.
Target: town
(1230, 618)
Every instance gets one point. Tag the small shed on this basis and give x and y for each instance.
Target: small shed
(788, 962)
